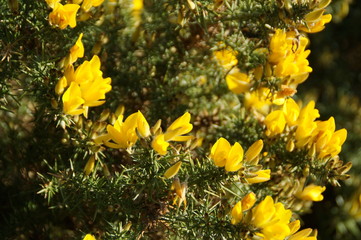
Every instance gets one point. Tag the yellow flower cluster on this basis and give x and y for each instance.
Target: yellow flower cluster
(287, 61)
(237, 81)
(234, 159)
(124, 134)
(175, 132)
(271, 220)
(315, 21)
(86, 86)
(65, 15)
(319, 136)
(288, 57)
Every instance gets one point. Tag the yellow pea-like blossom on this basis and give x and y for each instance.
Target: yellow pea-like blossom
(64, 15)
(258, 100)
(173, 170)
(288, 57)
(325, 130)
(180, 190)
(253, 151)
(275, 123)
(137, 8)
(316, 25)
(335, 144)
(219, 152)
(306, 129)
(181, 126)
(76, 51)
(305, 234)
(262, 176)
(237, 81)
(89, 237)
(88, 4)
(315, 20)
(225, 155)
(291, 111)
(234, 158)
(311, 193)
(61, 85)
(89, 166)
(92, 86)
(160, 145)
(278, 47)
(52, 3)
(226, 58)
(248, 201)
(125, 134)
(175, 132)
(237, 213)
(272, 219)
(308, 113)
(294, 61)
(72, 100)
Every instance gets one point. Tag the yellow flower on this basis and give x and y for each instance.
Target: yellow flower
(329, 142)
(305, 133)
(136, 10)
(175, 132)
(52, 3)
(253, 151)
(248, 201)
(89, 165)
(306, 129)
(226, 58)
(87, 4)
(219, 152)
(226, 156)
(237, 81)
(61, 85)
(325, 130)
(291, 112)
(311, 193)
(305, 234)
(234, 158)
(90, 82)
(160, 145)
(272, 219)
(315, 25)
(236, 213)
(72, 100)
(258, 100)
(289, 57)
(125, 134)
(308, 113)
(89, 237)
(173, 170)
(180, 191)
(63, 16)
(262, 176)
(275, 123)
(178, 128)
(278, 47)
(76, 51)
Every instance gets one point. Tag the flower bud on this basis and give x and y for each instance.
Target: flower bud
(89, 165)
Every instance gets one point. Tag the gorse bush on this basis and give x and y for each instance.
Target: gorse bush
(132, 119)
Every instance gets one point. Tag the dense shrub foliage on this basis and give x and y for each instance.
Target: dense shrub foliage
(187, 119)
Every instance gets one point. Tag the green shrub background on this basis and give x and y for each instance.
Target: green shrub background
(44, 194)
